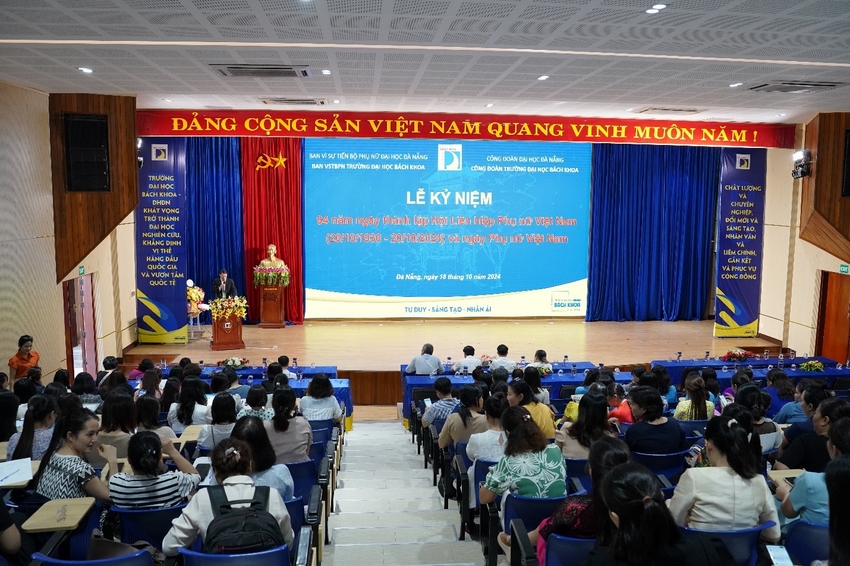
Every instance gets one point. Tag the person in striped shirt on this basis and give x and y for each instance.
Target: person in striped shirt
(147, 485)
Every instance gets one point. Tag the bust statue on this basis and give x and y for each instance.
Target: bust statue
(272, 260)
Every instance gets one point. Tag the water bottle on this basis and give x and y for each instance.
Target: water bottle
(601, 366)
(465, 371)
(573, 370)
(433, 374)
(678, 356)
(448, 364)
(560, 373)
(792, 353)
(616, 371)
(162, 364)
(522, 362)
(707, 355)
(781, 363)
(457, 374)
(295, 364)
(766, 354)
(249, 380)
(265, 368)
(201, 364)
(566, 359)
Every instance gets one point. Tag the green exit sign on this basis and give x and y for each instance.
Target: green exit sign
(82, 270)
(844, 268)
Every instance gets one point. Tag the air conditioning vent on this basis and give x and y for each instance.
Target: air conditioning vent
(295, 101)
(663, 110)
(796, 87)
(218, 107)
(264, 71)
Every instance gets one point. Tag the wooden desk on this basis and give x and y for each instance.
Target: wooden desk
(190, 434)
(59, 515)
(779, 475)
(122, 465)
(784, 426)
(21, 485)
(3, 446)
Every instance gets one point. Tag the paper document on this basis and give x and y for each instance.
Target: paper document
(15, 472)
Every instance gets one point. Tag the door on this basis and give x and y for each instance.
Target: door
(834, 319)
(80, 330)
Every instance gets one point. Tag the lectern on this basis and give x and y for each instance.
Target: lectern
(227, 333)
(271, 306)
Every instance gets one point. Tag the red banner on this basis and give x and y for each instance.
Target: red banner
(259, 123)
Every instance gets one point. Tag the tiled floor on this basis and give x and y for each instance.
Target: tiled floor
(387, 510)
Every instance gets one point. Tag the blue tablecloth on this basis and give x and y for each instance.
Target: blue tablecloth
(257, 372)
(674, 368)
(554, 381)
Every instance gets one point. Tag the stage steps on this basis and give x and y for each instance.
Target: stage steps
(387, 511)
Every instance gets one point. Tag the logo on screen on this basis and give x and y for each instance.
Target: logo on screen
(742, 161)
(449, 157)
(159, 152)
(561, 301)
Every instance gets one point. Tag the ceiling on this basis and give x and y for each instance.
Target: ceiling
(604, 57)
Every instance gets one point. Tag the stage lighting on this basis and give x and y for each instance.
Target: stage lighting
(802, 164)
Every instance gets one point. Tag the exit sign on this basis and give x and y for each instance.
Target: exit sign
(843, 269)
(82, 270)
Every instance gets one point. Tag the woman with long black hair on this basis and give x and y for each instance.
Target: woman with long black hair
(191, 408)
(34, 440)
(467, 421)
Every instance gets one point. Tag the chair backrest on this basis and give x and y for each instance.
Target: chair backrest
(742, 544)
(278, 555)
(668, 465)
(421, 393)
(147, 524)
(438, 424)
(318, 425)
(807, 542)
(559, 404)
(304, 476)
(163, 418)
(317, 452)
(565, 551)
(841, 384)
(461, 449)
(322, 435)
(690, 426)
(140, 558)
(624, 427)
(566, 392)
(297, 519)
(577, 468)
(479, 474)
(530, 510)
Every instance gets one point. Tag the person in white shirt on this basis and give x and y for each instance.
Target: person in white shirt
(319, 403)
(192, 407)
(469, 363)
(223, 414)
(425, 363)
(501, 360)
(540, 361)
(231, 464)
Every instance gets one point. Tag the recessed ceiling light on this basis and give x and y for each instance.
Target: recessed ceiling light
(490, 105)
(542, 77)
(167, 99)
(659, 6)
(779, 115)
(85, 70)
(652, 11)
(336, 101)
(734, 85)
(326, 71)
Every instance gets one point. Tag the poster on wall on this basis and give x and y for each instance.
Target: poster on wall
(445, 228)
(160, 246)
(739, 242)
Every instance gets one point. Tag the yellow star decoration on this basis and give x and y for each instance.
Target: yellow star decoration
(265, 161)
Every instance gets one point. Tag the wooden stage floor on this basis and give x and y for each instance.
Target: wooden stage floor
(380, 346)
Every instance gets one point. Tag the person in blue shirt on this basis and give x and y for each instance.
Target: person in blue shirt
(781, 391)
(793, 412)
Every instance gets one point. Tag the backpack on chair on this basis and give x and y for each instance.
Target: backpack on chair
(241, 530)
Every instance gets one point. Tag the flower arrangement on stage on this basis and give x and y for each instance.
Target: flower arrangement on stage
(485, 360)
(738, 355)
(811, 365)
(544, 371)
(234, 362)
(271, 276)
(195, 294)
(223, 308)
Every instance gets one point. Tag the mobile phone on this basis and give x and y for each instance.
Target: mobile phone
(772, 487)
(791, 480)
(779, 555)
(427, 402)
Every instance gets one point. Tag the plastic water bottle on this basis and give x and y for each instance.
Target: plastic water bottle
(573, 370)
(678, 356)
(766, 354)
(433, 374)
(560, 373)
(522, 362)
(601, 366)
(707, 355)
(781, 363)
(265, 368)
(250, 380)
(448, 364)
(566, 359)
(201, 364)
(295, 364)
(792, 353)
(465, 371)
(162, 364)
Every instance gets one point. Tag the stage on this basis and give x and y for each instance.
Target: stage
(369, 352)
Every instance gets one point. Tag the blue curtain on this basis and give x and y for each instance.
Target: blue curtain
(214, 226)
(653, 213)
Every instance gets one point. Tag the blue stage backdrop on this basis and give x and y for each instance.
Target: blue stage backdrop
(739, 242)
(429, 228)
(160, 243)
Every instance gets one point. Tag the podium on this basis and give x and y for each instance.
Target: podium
(227, 334)
(271, 306)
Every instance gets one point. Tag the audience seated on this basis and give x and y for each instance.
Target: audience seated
(490, 444)
(192, 407)
(531, 375)
(530, 467)
(808, 499)
(24, 390)
(290, 435)
(118, 423)
(170, 391)
(110, 363)
(468, 363)
(781, 390)
(709, 377)
(63, 378)
(808, 451)
(739, 379)
(501, 360)
(664, 385)
(150, 384)
(575, 439)
(274, 371)
(84, 388)
(467, 421)
(731, 494)
(319, 403)
(519, 394)
(231, 466)
(34, 440)
(793, 412)
(652, 433)
(837, 479)
(620, 411)
(8, 409)
(756, 400)
(645, 532)
(34, 375)
(147, 417)
(115, 380)
(426, 363)
(590, 377)
(540, 361)
(256, 402)
(139, 371)
(812, 396)
(745, 419)
(233, 386)
(445, 404)
(223, 414)
(695, 406)
(148, 484)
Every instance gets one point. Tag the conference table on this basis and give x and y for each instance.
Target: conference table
(553, 381)
(675, 368)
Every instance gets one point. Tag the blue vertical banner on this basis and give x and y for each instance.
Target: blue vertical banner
(739, 242)
(160, 242)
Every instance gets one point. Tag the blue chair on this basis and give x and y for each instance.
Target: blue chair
(150, 525)
(564, 551)
(479, 474)
(279, 555)
(577, 470)
(318, 425)
(321, 435)
(667, 465)
(742, 544)
(807, 542)
(460, 450)
(690, 426)
(560, 406)
(304, 477)
(140, 558)
(317, 452)
(530, 510)
(163, 418)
